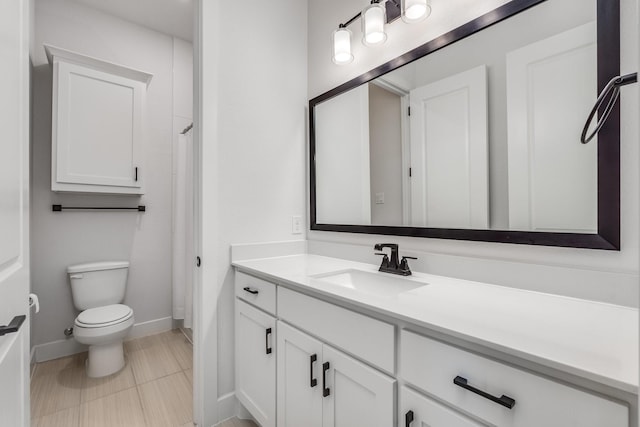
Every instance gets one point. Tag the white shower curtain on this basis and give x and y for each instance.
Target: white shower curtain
(183, 250)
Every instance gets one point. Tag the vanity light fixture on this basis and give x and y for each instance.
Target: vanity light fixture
(415, 10)
(342, 45)
(374, 18)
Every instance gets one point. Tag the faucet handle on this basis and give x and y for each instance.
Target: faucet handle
(404, 265)
(385, 259)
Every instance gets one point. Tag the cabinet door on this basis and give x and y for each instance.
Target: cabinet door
(299, 378)
(356, 395)
(416, 410)
(97, 129)
(256, 363)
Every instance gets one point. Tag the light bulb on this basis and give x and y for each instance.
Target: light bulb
(374, 18)
(342, 46)
(415, 10)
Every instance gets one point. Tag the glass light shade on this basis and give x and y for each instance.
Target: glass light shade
(374, 17)
(342, 46)
(415, 10)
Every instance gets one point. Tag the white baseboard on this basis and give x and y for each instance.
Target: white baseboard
(68, 346)
(151, 327)
(227, 406)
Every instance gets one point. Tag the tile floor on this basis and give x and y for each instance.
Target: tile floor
(154, 388)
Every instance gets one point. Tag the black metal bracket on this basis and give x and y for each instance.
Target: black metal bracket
(13, 326)
(60, 208)
(393, 11)
(503, 400)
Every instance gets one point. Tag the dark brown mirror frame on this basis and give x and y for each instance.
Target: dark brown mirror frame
(608, 52)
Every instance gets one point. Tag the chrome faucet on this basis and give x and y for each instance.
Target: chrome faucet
(392, 265)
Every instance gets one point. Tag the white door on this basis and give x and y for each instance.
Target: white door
(299, 378)
(356, 395)
(553, 179)
(449, 182)
(14, 214)
(256, 363)
(416, 410)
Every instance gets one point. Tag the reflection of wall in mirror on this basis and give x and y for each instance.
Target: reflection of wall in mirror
(342, 159)
(385, 129)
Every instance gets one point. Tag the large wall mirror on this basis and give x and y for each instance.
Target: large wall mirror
(476, 134)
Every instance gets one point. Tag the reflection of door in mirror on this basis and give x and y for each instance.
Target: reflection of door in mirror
(550, 85)
(449, 183)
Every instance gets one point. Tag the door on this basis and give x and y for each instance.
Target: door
(416, 410)
(356, 395)
(299, 378)
(14, 214)
(256, 363)
(449, 155)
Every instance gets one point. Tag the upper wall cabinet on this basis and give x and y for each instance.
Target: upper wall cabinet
(97, 125)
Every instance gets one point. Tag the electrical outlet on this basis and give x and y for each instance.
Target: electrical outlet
(296, 224)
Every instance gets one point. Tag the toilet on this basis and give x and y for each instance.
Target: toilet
(98, 289)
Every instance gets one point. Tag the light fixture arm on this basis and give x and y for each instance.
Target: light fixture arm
(393, 12)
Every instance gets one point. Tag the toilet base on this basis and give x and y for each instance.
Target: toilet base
(105, 359)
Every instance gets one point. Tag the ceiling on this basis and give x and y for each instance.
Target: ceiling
(173, 17)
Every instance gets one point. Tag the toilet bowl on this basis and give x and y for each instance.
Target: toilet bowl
(98, 290)
(103, 329)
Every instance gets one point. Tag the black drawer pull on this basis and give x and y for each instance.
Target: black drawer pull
(266, 338)
(505, 401)
(251, 291)
(312, 381)
(13, 326)
(325, 390)
(408, 418)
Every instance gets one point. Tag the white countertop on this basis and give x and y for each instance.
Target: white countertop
(592, 340)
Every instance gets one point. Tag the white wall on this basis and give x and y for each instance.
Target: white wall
(61, 239)
(253, 69)
(600, 275)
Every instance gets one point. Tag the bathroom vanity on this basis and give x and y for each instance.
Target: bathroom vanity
(322, 342)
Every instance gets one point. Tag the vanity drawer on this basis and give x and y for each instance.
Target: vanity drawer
(368, 339)
(433, 366)
(256, 291)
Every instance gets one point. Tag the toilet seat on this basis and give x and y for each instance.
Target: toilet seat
(101, 317)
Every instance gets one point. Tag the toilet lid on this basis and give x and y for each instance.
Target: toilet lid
(104, 316)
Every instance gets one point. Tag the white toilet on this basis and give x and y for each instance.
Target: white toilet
(98, 289)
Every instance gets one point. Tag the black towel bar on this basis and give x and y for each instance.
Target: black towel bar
(60, 208)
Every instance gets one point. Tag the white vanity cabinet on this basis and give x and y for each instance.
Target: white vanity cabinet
(331, 365)
(97, 125)
(256, 362)
(319, 386)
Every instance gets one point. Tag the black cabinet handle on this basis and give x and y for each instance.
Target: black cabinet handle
(136, 174)
(266, 339)
(251, 291)
(325, 390)
(505, 401)
(312, 381)
(408, 418)
(13, 326)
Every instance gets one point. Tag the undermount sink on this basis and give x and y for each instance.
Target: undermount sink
(373, 283)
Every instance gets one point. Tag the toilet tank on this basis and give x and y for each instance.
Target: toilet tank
(98, 283)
